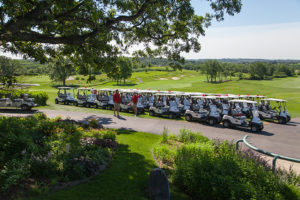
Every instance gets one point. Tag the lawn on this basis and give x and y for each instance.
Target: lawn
(187, 81)
(126, 176)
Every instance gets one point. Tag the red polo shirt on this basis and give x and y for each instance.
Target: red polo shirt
(134, 99)
(117, 98)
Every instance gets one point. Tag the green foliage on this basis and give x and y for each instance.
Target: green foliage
(165, 135)
(215, 170)
(8, 70)
(92, 32)
(220, 172)
(60, 69)
(109, 135)
(187, 136)
(164, 153)
(38, 147)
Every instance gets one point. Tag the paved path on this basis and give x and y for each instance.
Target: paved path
(276, 138)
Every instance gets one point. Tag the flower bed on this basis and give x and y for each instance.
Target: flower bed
(50, 151)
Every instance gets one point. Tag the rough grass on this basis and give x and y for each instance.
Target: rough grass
(189, 81)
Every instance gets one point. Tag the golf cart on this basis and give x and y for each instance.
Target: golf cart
(203, 109)
(23, 102)
(125, 104)
(65, 97)
(279, 113)
(164, 105)
(92, 99)
(223, 104)
(102, 98)
(82, 96)
(235, 117)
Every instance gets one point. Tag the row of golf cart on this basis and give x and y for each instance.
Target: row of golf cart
(231, 110)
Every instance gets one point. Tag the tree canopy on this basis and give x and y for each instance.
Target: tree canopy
(94, 31)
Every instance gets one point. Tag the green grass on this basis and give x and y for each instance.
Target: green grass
(126, 176)
(188, 81)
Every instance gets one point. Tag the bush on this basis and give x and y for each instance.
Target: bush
(164, 154)
(187, 136)
(109, 135)
(205, 171)
(279, 74)
(42, 148)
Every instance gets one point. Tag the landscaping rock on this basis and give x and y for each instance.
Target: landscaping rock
(159, 185)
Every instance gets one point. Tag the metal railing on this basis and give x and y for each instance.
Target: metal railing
(275, 156)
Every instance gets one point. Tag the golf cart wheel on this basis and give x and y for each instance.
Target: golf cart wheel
(188, 118)
(56, 101)
(171, 116)
(151, 113)
(282, 120)
(254, 128)
(211, 121)
(288, 118)
(226, 124)
(25, 107)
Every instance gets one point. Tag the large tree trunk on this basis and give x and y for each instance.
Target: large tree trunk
(64, 82)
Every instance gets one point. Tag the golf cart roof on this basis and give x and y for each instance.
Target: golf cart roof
(84, 88)
(242, 101)
(272, 99)
(65, 88)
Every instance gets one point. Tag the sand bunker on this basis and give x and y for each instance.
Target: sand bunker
(163, 79)
(175, 78)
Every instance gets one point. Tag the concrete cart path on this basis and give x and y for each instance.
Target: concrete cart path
(275, 138)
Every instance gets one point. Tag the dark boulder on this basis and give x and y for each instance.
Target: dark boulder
(159, 185)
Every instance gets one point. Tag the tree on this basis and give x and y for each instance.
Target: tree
(125, 68)
(212, 69)
(8, 69)
(92, 31)
(60, 69)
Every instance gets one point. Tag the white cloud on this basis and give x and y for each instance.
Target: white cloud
(276, 41)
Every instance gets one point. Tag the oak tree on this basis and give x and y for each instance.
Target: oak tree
(92, 31)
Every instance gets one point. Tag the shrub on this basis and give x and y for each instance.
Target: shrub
(108, 134)
(165, 135)
(38, 147)
(187, 136)
(205, 171)
(165, 154)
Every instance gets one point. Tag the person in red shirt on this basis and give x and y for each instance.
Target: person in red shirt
(134, 100)
(117, 101)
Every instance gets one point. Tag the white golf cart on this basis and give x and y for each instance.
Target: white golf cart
(279, 113)
(235, 117)
(203, 109)
(92, 98)
(65, 96)
(102, 98)
(164, 105)
(22, 102)
(82, 96)
(125, 104)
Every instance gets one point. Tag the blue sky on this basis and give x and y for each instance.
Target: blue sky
(268, 29)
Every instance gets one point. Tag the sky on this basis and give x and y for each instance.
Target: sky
(266, 29)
